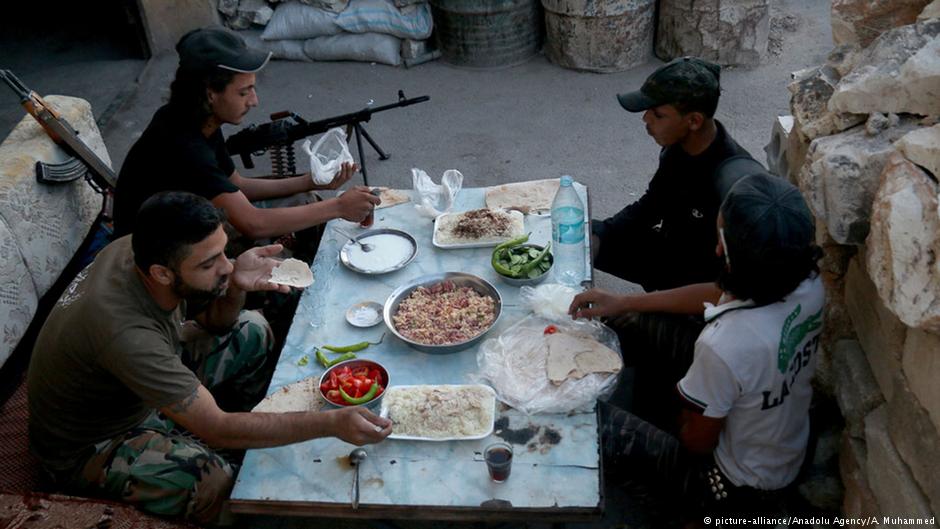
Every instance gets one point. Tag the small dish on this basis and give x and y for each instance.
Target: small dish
(364, 314)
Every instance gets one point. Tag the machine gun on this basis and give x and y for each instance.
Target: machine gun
(84, 161)
(285, 128)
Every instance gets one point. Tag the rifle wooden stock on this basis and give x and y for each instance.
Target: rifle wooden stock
(62, 133)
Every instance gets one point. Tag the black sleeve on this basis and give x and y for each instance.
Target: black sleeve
(625, 232)
(206, 174)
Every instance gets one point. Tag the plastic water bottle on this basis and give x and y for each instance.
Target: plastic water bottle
(568, 234)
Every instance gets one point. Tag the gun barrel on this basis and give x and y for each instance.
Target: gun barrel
(15, 84)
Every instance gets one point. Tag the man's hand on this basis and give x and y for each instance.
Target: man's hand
(341, 177)
(359, 426)
(597, 303)
(356, 204)
(253, 269)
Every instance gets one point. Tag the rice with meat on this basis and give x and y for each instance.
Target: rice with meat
(439, 412)
(444, 314)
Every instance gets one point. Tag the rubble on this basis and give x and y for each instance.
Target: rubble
(905, 243)
(861, 21)
(899, 72)
(922, 147)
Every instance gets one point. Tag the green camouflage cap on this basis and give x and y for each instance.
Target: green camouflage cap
(689, 80)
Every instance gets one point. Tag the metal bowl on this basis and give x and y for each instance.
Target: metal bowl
(521, 282)
(344, 251)
(373, 404)
(462, 279)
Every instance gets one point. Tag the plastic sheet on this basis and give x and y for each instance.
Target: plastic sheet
(515, 365)
(327, 155)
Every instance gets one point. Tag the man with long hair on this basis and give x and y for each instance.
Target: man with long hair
(744, 421)
(183, 148)
(118, 386)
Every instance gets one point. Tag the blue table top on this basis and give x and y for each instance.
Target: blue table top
(555, 469)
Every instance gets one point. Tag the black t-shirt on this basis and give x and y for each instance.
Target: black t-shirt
(667, 238)
(171, 155)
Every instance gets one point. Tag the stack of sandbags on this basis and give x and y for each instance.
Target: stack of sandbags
(383, 31)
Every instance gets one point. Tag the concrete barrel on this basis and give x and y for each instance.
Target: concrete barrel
(599, 35)
(487, 33)
(728, 32)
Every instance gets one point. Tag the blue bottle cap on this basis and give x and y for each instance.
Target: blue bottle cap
(566, 180)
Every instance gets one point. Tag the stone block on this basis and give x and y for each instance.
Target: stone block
(922, 146)
(841, 175)
(904, 244)
(797, 148)
(916, 439)
(856, 389)
(921, 364)
(880, 333)
(890, 479)
(810, 94)
(859, 501)
(728, 32)
(861, 21)
(898, 73)
(843, 58)
(599, 36)
(776, 150)
(931, 11)
(166, 22)
(411, 49)
(248, 13)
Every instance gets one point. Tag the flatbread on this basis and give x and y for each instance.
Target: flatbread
(572, 356)
(392, 197)
(292, 272)
(527, 197)
(299, 396)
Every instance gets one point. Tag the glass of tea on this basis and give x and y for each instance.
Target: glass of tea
(498, 457)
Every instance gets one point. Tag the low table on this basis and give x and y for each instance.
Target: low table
(556, 471)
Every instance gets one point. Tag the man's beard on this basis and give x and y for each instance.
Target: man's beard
(195, 296)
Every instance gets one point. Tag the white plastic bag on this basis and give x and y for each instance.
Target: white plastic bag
(549, 300)
(436, 199)
(515, 365)
(327, 155)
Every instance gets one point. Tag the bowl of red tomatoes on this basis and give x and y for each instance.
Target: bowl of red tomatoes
(355, 382)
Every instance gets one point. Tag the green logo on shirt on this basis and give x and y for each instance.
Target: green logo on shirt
(790, 338)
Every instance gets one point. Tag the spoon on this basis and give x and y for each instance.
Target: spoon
(366, 247)
(357, 456)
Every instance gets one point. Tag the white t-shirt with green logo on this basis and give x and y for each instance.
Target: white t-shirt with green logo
(753, 366)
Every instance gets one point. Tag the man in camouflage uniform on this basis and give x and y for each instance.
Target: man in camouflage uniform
(128, 400)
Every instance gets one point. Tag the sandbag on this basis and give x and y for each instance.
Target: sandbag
(293, 20)
(381, 16)
(365, 47)
(289, 50)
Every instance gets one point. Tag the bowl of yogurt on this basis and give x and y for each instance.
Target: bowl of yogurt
(391, 250)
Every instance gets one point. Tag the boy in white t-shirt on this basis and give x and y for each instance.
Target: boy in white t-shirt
(745, 398)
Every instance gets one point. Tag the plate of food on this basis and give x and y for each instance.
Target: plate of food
(477, 228)
(440, 412)
(443, 313)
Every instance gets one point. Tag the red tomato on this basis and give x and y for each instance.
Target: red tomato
(360, 371)
(375, 375)
(334, 396)
(551, 329)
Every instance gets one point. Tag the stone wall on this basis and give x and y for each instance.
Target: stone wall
(864, 148)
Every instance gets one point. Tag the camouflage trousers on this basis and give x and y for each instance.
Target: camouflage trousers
(163, 470)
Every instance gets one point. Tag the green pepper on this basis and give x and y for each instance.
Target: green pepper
(497, 253)
(352, 348)
(303, 360)
(364, 398)
(535, 262)
(341, 358)
(513, 242)
(322, 358)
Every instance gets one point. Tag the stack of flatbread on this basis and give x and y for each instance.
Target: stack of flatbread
(527, 197)
(572, 357)
(391, 197)
(299, 396)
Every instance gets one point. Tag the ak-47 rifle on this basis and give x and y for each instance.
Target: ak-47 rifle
(84, 162)
(285, 128)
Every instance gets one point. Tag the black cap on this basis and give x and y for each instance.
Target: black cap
(766, 217)
(213, 47)
(687, 80)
